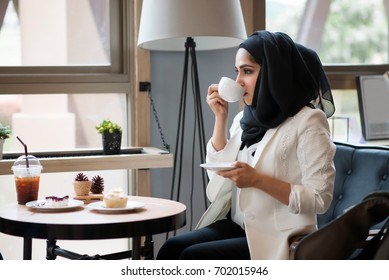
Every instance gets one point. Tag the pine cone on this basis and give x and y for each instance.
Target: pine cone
(81, 177)
(97, 185)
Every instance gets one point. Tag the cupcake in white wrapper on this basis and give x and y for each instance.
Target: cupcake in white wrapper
(115, 199)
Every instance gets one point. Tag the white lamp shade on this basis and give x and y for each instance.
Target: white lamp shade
(214, 24)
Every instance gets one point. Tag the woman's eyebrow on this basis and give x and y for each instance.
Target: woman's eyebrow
(244, 65)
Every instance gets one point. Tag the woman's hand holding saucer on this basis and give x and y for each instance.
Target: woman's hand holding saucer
(243, 175)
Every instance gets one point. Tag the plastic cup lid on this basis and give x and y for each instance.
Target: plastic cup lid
(20, 162)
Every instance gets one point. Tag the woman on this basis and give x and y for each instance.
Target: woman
(282, 152)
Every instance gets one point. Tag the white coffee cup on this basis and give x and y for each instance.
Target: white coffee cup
(230, 90)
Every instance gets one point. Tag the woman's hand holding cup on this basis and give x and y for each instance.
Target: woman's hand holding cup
(218, 105)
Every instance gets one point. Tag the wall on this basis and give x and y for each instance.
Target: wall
(166, 79)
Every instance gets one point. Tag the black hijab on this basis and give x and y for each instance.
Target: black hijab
(290, 78)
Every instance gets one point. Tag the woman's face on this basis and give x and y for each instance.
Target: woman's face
(247, 73)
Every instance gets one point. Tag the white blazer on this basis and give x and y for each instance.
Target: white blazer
(298, 151)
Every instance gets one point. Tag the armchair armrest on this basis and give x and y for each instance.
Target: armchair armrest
(293, 242)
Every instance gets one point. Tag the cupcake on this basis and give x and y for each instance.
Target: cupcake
(115, 199)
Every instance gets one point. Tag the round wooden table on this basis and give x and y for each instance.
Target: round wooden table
(157, 216)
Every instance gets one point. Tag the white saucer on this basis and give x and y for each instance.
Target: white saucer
(41, 205)
(131, 206)
(218, 166)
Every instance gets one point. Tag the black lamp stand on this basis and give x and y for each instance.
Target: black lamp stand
(198, 132)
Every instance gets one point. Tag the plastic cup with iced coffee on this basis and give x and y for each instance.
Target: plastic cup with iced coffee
(27, 171)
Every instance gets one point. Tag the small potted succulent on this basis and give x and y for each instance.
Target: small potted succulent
(5, 131)
(111, 136)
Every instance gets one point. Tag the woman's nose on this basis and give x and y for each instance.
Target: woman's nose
(238, 80)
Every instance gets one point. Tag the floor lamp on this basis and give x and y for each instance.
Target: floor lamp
(177, 25)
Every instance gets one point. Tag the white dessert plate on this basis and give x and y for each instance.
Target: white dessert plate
(218, 166)
(131, 206)
(41, 205)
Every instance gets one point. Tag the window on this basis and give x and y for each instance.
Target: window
(351, 38)
(101, 65)
(342, 31)
(62, 71)
(78, 33)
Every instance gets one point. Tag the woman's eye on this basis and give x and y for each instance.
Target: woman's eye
(244, 71)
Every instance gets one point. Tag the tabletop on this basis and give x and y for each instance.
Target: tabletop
(157, 216)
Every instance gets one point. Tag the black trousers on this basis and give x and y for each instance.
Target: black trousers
(222, 240)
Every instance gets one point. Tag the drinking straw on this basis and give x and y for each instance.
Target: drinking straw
(25, 150)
